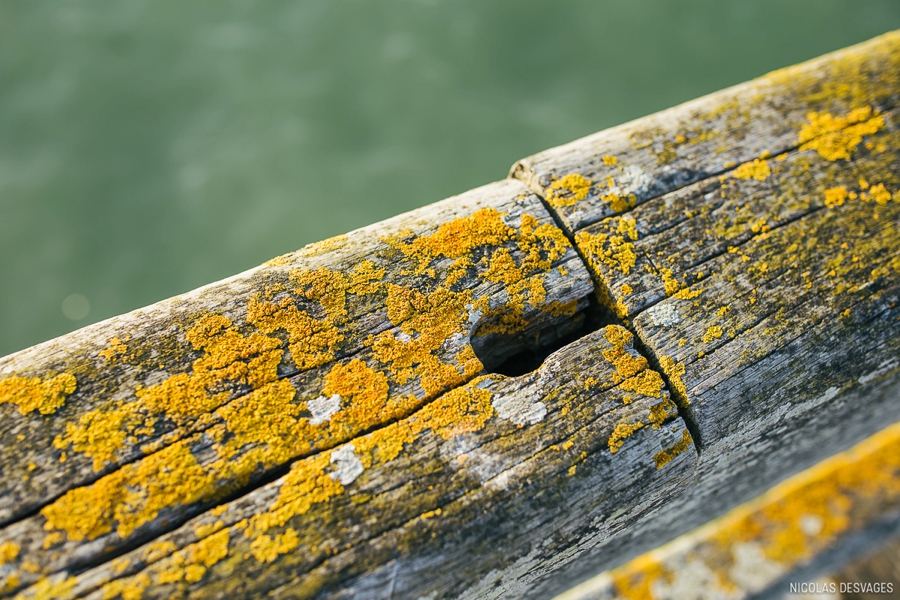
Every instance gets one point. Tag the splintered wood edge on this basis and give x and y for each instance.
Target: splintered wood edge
(760, 542)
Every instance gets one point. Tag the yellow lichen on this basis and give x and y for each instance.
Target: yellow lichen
(312, 342)
(35, 394)
(675, 371)
(835, 138)
(8, 552)
(131, 496)
(428, 321)
(459, 237)
(618, 202)
(568, 190)
(713, 333)
(267, 548)
(647, 383)
(666, 456)
(116, 348)
(156, 550)
(610, 161)
(47, 590)
(622, 432)
(612, 251)
(757, 169)
(52, 539)
(463, 410)
(661, 411)
(836, 196)
(626, 364)
(318, 248)
(131, 588)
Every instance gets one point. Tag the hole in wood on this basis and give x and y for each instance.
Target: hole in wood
(514, 356)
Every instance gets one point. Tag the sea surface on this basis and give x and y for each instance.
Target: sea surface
(148, 147)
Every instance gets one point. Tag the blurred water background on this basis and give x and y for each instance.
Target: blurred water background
(151, 146)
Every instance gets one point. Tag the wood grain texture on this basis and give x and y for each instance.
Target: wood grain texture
(327, 425)
(610, 172)
(756, 546)
(125, 428)
(550, 464)
(769, 297)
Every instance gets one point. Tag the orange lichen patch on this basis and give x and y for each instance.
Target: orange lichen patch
(157, 550)
(713, 333)
(189, 564)
(786, 527)
(686, 293)
(610, 161)
(670, 284)
(36, 394)
(622, 432)
(626, 364)
(647, 383)
(364, 396)
(131, 496)
(675, 371)
(52, 539)
(267, 548)
(613, 251)
(661, 411)
(638, 581)
(116, 348)
(618, 202)
(312, 342)
(306, 485)
(8, 552)
(835, 138)
(878, 193)
(568, 190)
(318, 248)
(463, 410)
(10, 582)
(666, 456)
(757, 169)
(457, 238)
(428, 321)
(460, 411)
(99, 434)
(836, 196)
(228, 356)
(47, 590)
(264, 429)
(131, 588)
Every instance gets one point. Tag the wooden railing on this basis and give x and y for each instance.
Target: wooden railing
(498, 395)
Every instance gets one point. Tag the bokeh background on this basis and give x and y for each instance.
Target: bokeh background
(148, 147)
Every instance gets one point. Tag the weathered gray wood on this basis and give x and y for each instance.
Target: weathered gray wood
(610, 172)
(784, 537)
(550, 463)
(769, 298)
(119, 430)
(765, 298)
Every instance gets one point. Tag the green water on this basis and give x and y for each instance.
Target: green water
(151, 146)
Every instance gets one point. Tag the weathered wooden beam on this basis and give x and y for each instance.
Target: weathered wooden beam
(333, 423)
(497, 454)
(757, 547)
(768, 295)
(612, 171)
(116, 432)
